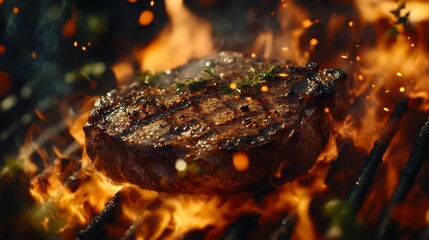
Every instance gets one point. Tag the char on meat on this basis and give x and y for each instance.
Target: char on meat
(177, 131)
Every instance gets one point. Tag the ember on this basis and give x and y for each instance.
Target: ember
(370, 180)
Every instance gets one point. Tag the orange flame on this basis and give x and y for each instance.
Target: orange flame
(184, 38)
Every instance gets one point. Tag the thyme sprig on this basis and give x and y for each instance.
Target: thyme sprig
(253, 79)
(400, 19)
(256, 78)
(194, 84)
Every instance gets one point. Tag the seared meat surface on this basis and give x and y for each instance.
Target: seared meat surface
(178, 131)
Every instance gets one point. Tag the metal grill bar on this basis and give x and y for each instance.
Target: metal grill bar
(406, 182)
(364, 181)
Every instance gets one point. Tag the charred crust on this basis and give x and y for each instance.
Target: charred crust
(137, 132)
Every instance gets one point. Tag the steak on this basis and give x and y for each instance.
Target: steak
(179, 131)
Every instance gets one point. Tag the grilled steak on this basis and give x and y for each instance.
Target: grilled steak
(178, 131)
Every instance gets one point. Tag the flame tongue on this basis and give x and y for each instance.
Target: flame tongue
(185, 37)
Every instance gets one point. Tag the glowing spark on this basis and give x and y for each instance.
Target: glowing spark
(360, 77)
(240, 161)
(75, 43)
(326, 110)
(373, 85)
(351, 24)
(367, 97)
(132, 1)
(313, 42)
(285, 49)
(83, 48)
(344, 56)
(308, 23)
(282, 74)
(233, 86)
(264, 88)
(89, 44)
(412, 45)
(358, 58)
(387, 91)
(402, 89)
(180, 165)
(248, 99)
(385, 109)
(146, 18)
(152, 3)
(39, 114)
(2, 49)
(33, 55)
(399, 74)
(15, 10)
(253, 55)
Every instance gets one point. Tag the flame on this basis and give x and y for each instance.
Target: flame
(66, 201)
(184, 38)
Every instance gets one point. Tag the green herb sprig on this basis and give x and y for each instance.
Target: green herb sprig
(194, 84)
(256, 78)
(400, 19)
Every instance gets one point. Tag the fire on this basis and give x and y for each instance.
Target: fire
(185, 37)
(381, 73)
(70, 198)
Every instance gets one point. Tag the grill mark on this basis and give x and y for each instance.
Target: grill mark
(193, 102)
(266, 106)
(155, 117)
(231, 106)
(206, 121)
(174, 124)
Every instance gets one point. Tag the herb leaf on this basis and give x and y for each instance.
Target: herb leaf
(194, 84)
(256, 78)
(400, 19)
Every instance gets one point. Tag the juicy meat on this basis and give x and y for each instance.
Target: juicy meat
(178, 131)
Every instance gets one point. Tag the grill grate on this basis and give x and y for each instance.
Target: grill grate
(242, 228)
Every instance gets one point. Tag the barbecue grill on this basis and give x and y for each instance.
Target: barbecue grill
(370, 182)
